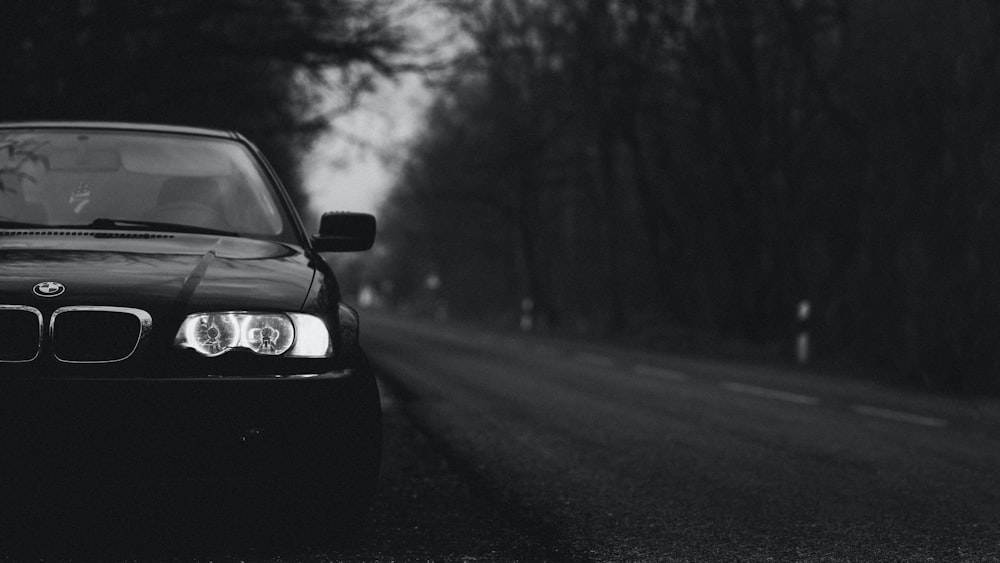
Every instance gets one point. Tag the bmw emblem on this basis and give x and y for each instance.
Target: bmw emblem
(48, 289)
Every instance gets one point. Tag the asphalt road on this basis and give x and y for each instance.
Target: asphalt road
(582, 452)
(501, 447)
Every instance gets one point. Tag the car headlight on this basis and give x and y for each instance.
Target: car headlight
(294, 335)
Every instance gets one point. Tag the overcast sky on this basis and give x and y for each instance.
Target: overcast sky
(353, 167)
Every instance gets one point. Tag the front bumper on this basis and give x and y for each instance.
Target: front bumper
(119, 434)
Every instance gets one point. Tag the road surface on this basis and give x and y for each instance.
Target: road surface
(604, 454)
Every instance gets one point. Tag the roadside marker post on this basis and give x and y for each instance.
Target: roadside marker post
(802, 336)
(527, 308)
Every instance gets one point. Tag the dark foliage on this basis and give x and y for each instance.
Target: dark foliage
(630, 164)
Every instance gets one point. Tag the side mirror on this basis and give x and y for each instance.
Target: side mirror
(343, 231)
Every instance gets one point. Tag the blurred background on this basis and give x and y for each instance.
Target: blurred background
(694, 175)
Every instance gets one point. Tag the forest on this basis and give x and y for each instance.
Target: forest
(684, 173)
(673, 173)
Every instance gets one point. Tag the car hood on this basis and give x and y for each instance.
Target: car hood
(156, 272)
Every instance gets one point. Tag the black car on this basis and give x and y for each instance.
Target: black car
(166, 321)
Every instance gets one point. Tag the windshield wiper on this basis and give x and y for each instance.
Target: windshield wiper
(131, 224)
(7, 224)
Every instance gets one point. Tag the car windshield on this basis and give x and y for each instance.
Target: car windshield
(109, 179)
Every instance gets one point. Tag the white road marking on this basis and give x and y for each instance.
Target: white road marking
(595, 360)
(662, 373)
(770, 393)
(900, 416)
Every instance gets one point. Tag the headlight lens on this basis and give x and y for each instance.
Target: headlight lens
(211, 335)
(270, 334)
(312, 337)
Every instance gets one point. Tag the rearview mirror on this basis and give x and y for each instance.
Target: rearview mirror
(343, 231)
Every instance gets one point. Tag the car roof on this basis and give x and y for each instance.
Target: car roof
(120, 126)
